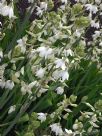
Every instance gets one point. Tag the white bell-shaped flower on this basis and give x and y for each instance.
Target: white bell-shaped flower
(9, 84)
(40, 73)
(12, 109)
(42, 117)
(56, 128)
(60, 90)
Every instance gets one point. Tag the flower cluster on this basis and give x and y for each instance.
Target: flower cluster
(7, 10)
(50, 70)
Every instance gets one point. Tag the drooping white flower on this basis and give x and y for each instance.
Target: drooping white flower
(43, 90)
(2, 83)
(9, 84)
(60, 74)
(100, 44)
(42, 117)
(60, 90)
(12, 109)
(32, 84)
(41, 8)
(45, 52)
(22, 44)
(64, 1)
(56, 128)
(11, 12)
(96, 34)
(39, 11)
(4, 10)
(98, 1)
(26, 88)
(32, 53)
(60, 63)
(77, 33)
(1, 55)
(75, 126)
(68, 52)
(43, 5)
(69, 132)
(56, 74)
(40, 73)
(91, 8)
(100, 8)
(64, 75)
(7, 11)
(1, 23)
(22, 71)
(62, 7)
(95, 24)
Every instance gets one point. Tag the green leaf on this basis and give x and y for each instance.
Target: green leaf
(77, 8)
(23, 119)
(82, 21)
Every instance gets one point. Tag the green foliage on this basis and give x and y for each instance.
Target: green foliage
(82, 21)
